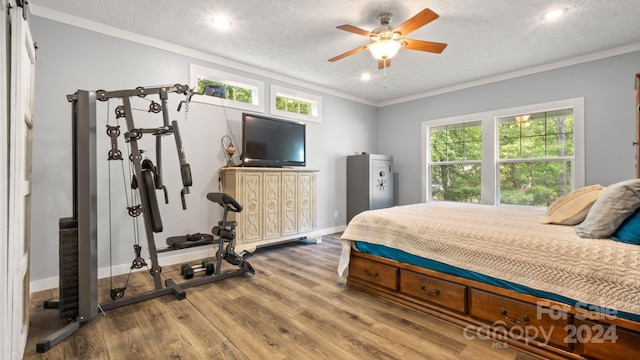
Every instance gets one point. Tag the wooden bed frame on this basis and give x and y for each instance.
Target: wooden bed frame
(492, 313)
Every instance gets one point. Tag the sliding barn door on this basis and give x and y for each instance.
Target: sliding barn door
(5, 311)
(22, 70)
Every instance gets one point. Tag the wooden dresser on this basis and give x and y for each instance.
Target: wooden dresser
(279, 204)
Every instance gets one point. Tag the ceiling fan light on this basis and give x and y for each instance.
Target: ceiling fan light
(384, 49)
(221, 22)
(365, 76)
(554, 14)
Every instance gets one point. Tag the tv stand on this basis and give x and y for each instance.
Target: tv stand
(279, 204)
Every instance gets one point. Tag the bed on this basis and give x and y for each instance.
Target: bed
(501, 274)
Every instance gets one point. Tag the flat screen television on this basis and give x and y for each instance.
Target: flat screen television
(272, 142)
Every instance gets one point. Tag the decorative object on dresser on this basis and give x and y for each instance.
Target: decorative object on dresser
(229, 149)
(280, 204)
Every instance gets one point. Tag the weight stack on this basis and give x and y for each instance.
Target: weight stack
(68, 264)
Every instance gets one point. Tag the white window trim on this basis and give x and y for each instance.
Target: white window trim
(197, 71)
(490, 176)
(298, 95)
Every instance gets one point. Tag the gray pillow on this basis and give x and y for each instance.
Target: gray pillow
(614, 205)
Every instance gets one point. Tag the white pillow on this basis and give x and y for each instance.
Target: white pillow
(572, 208)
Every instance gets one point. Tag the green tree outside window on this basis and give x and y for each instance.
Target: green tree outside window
(536, 171)
(456, 152)
(235, 93)
(292, 105)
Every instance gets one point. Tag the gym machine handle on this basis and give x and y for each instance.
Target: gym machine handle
(185, 169)
(224, 199)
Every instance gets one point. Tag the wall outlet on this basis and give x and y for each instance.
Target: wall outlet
(335, 214)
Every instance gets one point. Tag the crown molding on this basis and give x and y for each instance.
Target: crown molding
(47, 13)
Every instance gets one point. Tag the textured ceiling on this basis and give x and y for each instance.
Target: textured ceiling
(296, 38)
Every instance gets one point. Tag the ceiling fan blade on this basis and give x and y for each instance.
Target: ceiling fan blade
(350, 52)
(420, 45)
(418, 20)
(382, 65)
(355, 30)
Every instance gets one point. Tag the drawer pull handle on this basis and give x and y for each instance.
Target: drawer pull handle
(370, 274)
(435, 293)
(525, 318)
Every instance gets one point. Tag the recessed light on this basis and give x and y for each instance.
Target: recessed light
(365, 76)
(554, 14)
(221, 22)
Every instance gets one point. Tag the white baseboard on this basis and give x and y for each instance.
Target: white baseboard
(164, 259)
(333, 230)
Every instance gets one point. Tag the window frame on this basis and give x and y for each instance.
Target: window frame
(490, 169)
(314, 100)
(196, 72)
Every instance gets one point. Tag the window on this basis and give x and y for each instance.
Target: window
(456, 156)
(295, 104)
(535, 155)
(529, 155)
(239, 93)
(226, 89)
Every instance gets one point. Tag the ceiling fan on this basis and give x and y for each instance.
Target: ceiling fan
(385, 41)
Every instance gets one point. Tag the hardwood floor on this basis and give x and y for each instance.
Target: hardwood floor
(295, 307)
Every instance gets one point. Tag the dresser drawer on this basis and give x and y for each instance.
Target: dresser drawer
(525, 321)
(374, 272)
(601, 341)
(433, 290)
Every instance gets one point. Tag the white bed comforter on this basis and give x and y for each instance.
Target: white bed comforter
(508, 243)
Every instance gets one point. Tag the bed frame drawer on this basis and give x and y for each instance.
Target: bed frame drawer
(602, 341)
(374, 272)
(525, 321)
(433, 290)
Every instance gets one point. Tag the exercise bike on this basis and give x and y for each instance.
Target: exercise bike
(226, 233)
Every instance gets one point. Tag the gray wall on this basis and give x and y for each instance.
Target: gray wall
(607, 86)
(71, 58)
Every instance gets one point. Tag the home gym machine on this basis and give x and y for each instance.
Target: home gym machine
(78, 260)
